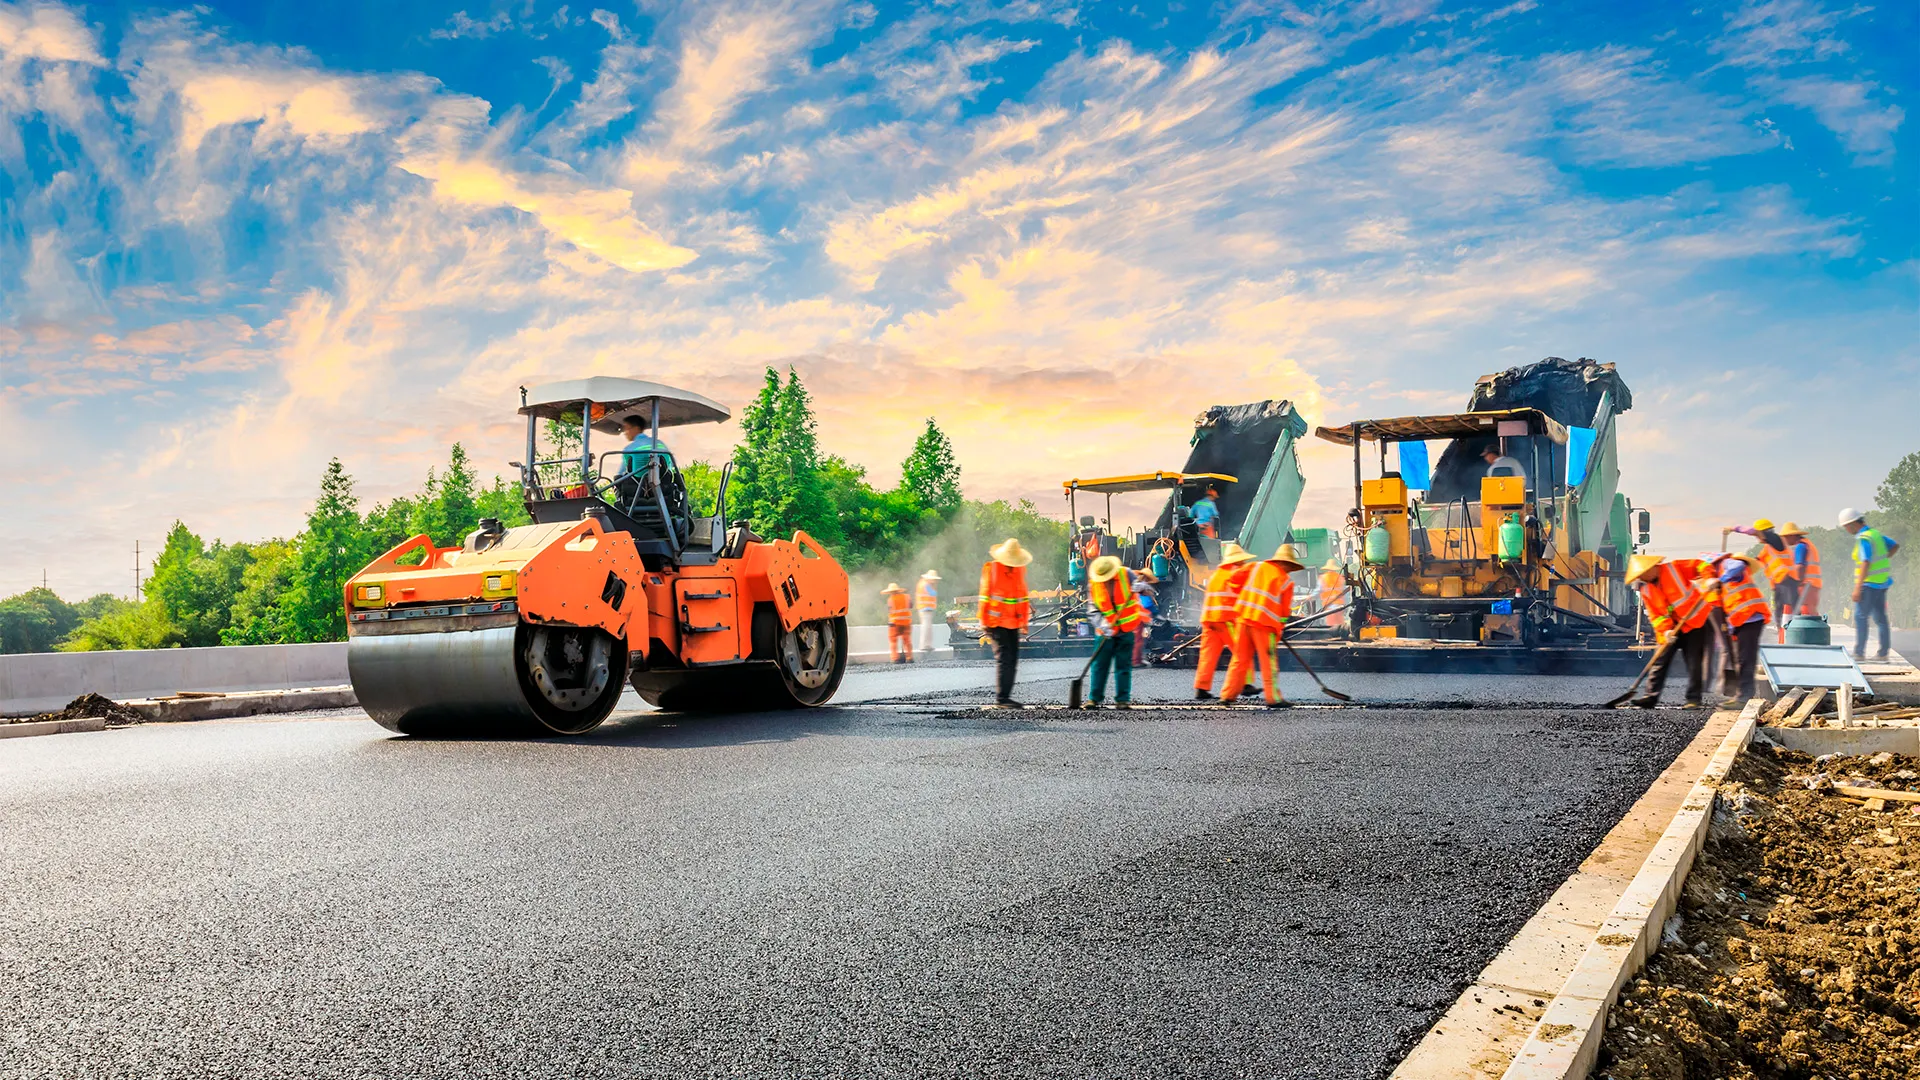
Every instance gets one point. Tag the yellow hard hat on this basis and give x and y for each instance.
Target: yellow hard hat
(1763, 524)
(1289, 556)
(1640, 566)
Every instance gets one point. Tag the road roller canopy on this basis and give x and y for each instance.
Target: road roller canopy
(1154, 481)
(611, 398)
(1450, 426)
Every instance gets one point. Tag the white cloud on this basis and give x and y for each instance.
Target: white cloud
(1848, 109)
(47, 32)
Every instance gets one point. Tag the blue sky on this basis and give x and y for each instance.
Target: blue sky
(238, 240)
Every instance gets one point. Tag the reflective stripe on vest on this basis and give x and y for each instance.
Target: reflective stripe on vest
(1331, 586)
(1674, 604)
(1223, 593)
(1877, 570)
(1114, 599)
(1267, 598)
(1741, 600)
(899, 609)
(1778, 564)
(1810, 576)
(924, 596)
(1003, 597)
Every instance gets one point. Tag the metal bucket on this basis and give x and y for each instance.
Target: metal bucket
(1809, 630)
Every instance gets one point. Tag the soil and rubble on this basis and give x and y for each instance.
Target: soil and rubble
(85, 707)
(1796, 949)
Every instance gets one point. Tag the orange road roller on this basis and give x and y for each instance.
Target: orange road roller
(540, 627)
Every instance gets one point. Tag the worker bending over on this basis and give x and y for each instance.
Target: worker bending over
(899, 623)
(1266, 601)
(1112, 595)
(926, 601)
(1005, 610)
(1776, 558)
(1872, 581)
(1333, 592)
(1217, 613)
(1671, 591)
(1745, 609)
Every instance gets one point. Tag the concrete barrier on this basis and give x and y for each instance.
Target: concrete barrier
(42, 682)
(868, 644)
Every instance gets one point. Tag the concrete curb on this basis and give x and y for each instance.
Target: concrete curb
(52, 727)
(243, 703)
(1565, 1044)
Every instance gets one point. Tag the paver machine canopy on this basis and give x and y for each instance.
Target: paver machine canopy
(618, 580)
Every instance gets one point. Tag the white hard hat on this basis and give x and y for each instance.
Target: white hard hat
(1850, 515)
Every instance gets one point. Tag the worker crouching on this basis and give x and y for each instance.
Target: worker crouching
(1005, 610)
(1260, 615)
(899, 623)
(1670, 590)
(1122, 616)
(1217, 613)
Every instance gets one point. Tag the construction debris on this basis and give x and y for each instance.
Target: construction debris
(86, 706)
(1798, 932)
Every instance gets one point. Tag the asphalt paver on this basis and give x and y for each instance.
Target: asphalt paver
(875, 890)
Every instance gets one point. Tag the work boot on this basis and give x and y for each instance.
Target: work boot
(1283, 703)
(1008, 703)
(1882, 657)
(1092, 704)
(1202, 695)
(1645, 701)
(1123, 705)
(1694, 704)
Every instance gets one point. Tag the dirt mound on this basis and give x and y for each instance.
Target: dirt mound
(90, 705)
(1796, 952)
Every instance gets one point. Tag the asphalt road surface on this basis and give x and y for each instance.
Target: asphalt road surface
(884, 889)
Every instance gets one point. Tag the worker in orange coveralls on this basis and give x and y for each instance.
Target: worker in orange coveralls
(899, 623)
(1217, 613)
(1266, 602)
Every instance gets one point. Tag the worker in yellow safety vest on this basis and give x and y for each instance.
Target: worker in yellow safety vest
(1745, 609)
(926, 601)
(1333, 592)
(899, 623)
(1671, 592)
(1005, 610)
(1217, 613)
(1266, 602)
(1806, 570)
(1111, 593)
(1873, 553)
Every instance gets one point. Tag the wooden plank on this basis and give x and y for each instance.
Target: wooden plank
(1787, 701)
(1807, 705)
(1888, 794)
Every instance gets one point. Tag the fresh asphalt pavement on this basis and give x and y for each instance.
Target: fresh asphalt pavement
(903, 885)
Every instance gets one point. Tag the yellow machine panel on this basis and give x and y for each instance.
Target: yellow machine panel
(1508, 491)
(1386, 493)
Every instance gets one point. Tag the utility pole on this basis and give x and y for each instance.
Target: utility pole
(136, 571)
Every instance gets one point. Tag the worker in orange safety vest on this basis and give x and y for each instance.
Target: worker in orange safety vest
(1671, 591)
(1005, 610)
(1806, 569)
(926, 601)
(1333, 592)
(1111, 593)
(1745, 608)
(1775, 555)
(1266, 602)
(1217, 613)
(899, 623)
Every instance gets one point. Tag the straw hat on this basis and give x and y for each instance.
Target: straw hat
(931, 575)
(1640, 566)
(1232, 554)
(1289, 556)
(1763, 524)
(1790, 529)
(1011, 553)
(1333, 564)
(1106, 568)
(892, 587)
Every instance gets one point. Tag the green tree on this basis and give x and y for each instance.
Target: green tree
(194, 585)
(703, 488)
(777, 464)
(125, 625)
(931, 475)
(503, 501)
(334, 546)
(35, 621)
(258, 616)
(447, 509)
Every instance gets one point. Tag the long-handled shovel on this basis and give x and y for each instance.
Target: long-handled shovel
(1642, 677)
(1078, 684)
(1324, 688)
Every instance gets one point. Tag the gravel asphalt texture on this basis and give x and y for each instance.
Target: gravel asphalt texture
(884, 889)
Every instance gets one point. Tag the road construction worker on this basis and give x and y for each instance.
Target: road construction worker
(1333, 592)
(899, 623)
(1872, 581)
(1217, 613)
(1143, 587)
(1671, 592)
(1745, 611)
(636, 461)
(926, 601)
(1112, 595)
(1499, 464)
(1266, 602)
(1777, 560)
(1206, 513)
(1806, 569)
(1005, 610)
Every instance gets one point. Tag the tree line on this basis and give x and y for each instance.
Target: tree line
(289, 590)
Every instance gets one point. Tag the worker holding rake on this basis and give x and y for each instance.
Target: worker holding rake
(1677, 597)
(1111, 592)
(1266, 602)
(1217, 613)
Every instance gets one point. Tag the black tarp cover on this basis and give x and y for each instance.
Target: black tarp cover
(1567, 390)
